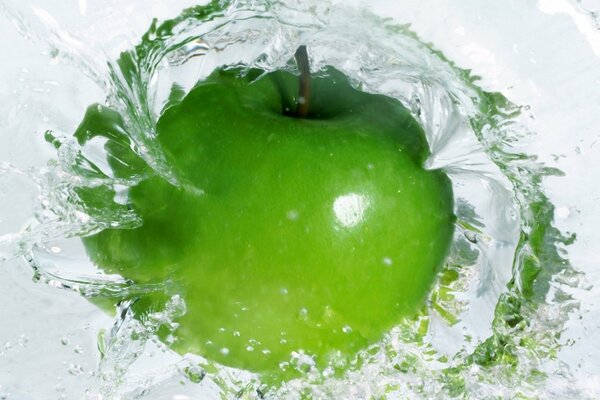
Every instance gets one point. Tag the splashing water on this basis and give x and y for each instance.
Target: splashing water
(494, 317)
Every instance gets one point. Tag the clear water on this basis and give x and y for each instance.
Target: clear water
(507, 94)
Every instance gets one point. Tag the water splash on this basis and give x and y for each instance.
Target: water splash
(498, 308)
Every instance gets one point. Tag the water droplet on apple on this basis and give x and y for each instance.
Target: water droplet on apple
(303, 314)
(293, 215)
(284, 365)
(224, 351)
(388, 261)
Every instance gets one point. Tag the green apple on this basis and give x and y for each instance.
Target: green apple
(312, 232)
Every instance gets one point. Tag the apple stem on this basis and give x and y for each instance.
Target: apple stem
(302, 103)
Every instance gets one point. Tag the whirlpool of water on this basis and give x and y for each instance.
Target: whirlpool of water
(494, 324)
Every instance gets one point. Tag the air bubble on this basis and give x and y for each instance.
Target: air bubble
(194, 374)
(75, 369)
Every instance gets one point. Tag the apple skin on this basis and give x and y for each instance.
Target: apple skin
(284, 234)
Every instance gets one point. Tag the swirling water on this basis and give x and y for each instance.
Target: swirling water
(492, 325)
